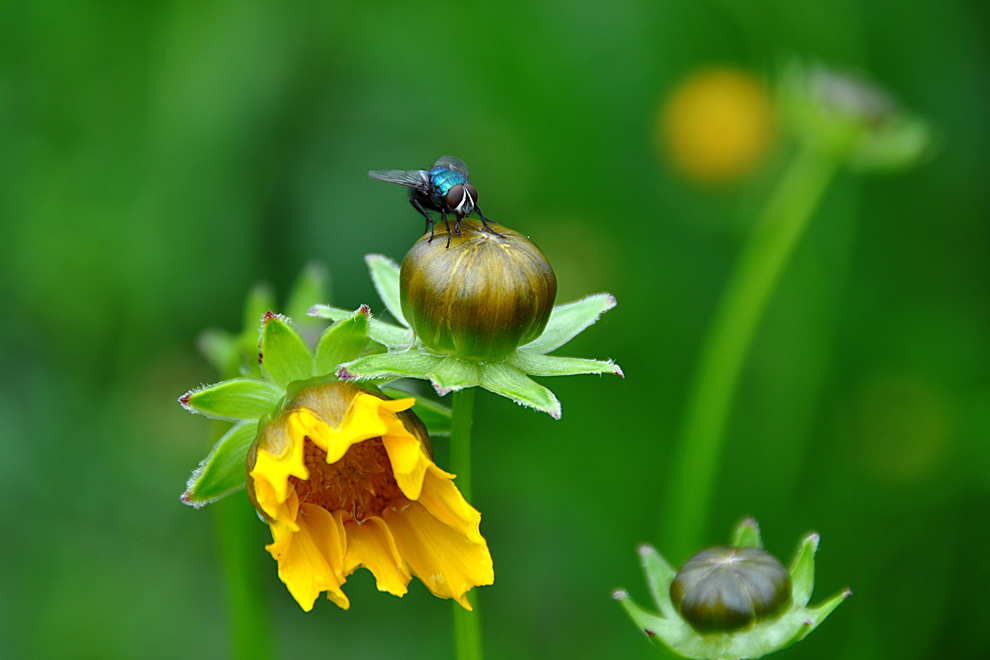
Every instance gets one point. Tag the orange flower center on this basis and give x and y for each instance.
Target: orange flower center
(360, 484)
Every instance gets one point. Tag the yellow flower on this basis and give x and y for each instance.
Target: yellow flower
(718, 125)
(345, 478)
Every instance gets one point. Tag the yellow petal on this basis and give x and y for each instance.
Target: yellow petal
(279, 456)
(282, 512)
(396, 405)
(371, 545)
(445, 503)
(447, 562)
(367, 417)
(303, 423)
(311, 560)
(308, 424)
(405, 453)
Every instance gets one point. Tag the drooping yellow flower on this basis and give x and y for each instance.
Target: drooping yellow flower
(717, 125)
(346, 479)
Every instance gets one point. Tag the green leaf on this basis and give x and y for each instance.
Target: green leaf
(815, 615)
(411, 364)
(510, 382)
(657, 628)
(385, 275)
(434, 415)
(747, 535)
(224, 470)
(897, 145)
(452, 374)
(309, 288)
(284, 353)
(803, 571)
(341, 342)
(259, 301)
(446, 373)
(389, 335)
(566, 321)
(221, 350)
(329, 312)
(659, 576)
(240, 398)
(537, 364)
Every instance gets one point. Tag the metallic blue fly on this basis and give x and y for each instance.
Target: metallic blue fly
(445, 188)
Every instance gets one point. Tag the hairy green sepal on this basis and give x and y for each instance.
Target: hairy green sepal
(287, 363)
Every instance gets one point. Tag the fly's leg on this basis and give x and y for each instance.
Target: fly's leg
(443, 214)
(429, 221)
(484, 221)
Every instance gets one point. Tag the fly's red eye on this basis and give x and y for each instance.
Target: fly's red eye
(462, 197)
(455, 196)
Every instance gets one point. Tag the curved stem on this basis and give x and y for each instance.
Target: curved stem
(783, 220)
(467, 625)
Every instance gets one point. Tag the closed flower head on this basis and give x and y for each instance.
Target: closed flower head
(345, 478)
(733, 601)
(724, 589)
(481, 298)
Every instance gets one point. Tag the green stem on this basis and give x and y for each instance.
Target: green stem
(247, 611)
(467, 625)
(696, 453)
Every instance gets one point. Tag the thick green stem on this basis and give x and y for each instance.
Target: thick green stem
(247, 607)
(467, 625)
(699, 444)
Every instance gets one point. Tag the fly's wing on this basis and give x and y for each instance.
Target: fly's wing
(455, 164)
(419, 179)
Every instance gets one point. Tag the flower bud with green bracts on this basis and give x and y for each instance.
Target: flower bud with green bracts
(735, 601)
(480, 298)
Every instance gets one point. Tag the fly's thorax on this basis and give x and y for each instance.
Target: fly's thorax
(443, 180)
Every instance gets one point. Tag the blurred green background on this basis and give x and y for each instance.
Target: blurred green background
(157, 159)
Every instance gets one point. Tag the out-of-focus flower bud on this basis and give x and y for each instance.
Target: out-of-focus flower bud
(850, 117)
(724, 589)
(481, 297)
(731, 601)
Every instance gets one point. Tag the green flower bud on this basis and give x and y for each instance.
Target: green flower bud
(730, 602)
(481, 297)
(724, 589)
(853, 119)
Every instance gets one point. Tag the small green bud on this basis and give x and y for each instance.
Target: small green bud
(731, 601)
(852, 118)
(481, 297)
(724, 589)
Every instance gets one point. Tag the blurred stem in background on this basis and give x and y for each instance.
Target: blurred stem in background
(467, 625)
(686, 508)
(247, 609)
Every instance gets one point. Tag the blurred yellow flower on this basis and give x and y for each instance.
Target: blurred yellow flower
(717, 125)
(345, 479)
